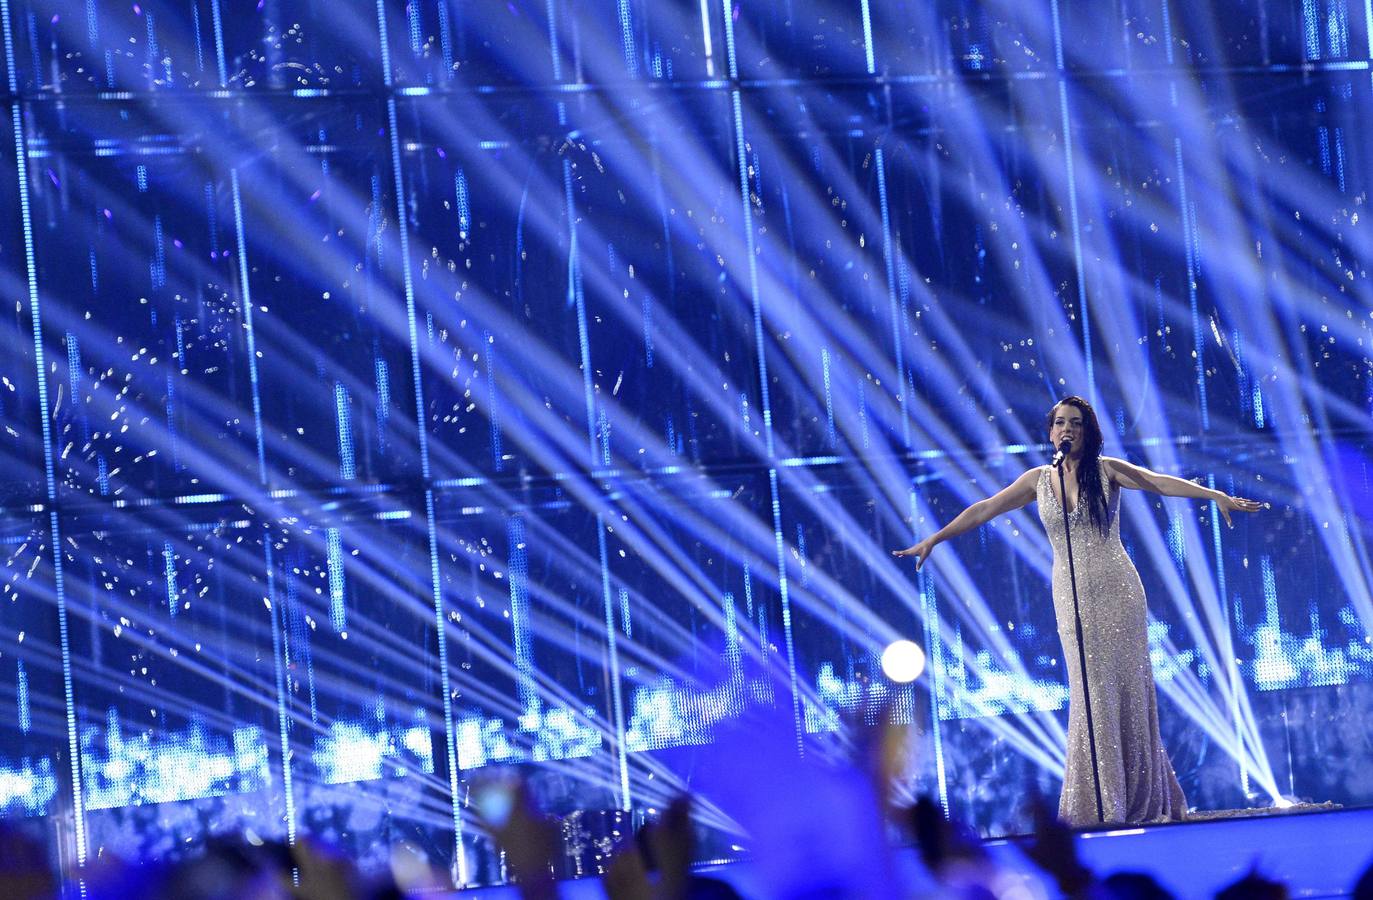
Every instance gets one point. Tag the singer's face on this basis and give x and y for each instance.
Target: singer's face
(1067, 423)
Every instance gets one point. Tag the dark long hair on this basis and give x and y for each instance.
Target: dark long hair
(1089, 489)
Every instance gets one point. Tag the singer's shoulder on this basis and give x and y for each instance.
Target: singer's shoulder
(1113, 467)
(1026, 485)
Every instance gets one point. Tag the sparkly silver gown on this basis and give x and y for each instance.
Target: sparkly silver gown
(1137, 780)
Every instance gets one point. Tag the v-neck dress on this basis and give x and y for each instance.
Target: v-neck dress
(1137, 779)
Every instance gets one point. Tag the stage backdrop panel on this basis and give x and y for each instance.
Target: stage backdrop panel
(397, 391)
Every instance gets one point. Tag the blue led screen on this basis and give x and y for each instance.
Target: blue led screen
(393, 391)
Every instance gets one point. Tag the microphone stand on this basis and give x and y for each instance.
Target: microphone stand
(1081, 650)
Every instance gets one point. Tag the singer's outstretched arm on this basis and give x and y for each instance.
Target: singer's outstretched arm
(1018, 493)
(1129, 475)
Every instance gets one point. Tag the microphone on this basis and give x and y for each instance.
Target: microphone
(1064, 448)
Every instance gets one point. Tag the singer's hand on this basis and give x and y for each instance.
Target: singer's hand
(1228, 504)
(920, 551)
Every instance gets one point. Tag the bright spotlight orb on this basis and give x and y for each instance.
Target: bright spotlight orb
(903, 661)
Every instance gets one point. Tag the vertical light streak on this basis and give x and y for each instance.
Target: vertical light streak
(1339, 158)
(1337, 29)
(616, 695)
(1310, 13)
(250, 337)
(597, 437)
(732, 61)
(493, 404)
(552, 15)
(625, 621)
(1190, 248)
(460, 191)
(422, 433)
(69, 695)
(73, 366)
(249, 331)
(627, 38)
(648, 331)
(761, 351)
(151, 53)
(863, 416)
(708, 45)
(169, 574)
(867, 41)
(1270, 588)
(889, 253)
(402, 229)
(446, 40)
(40, 366)
(172, 437)
(338, 613)
(517, 576)
(199, 42)
(756, 609)
(829, 397)
(383, 412)
(1167, 17)
(577, 299)
(158, 269)
(1068, 150)
(782, 590)
(21, 697)
(347, 464)
(1227, 637)
(279, 671)
(442, 641)
(934, 647)
(733, 653)
(412, 14)
(211, 228)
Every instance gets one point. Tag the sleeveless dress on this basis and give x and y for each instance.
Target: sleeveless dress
(1137, 779)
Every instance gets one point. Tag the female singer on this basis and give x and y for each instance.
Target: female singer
(1136, 778)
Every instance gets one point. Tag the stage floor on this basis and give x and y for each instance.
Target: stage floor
(1317, 854)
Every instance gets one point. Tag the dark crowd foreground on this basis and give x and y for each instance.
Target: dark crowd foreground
(655, 864)
(820, 826)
